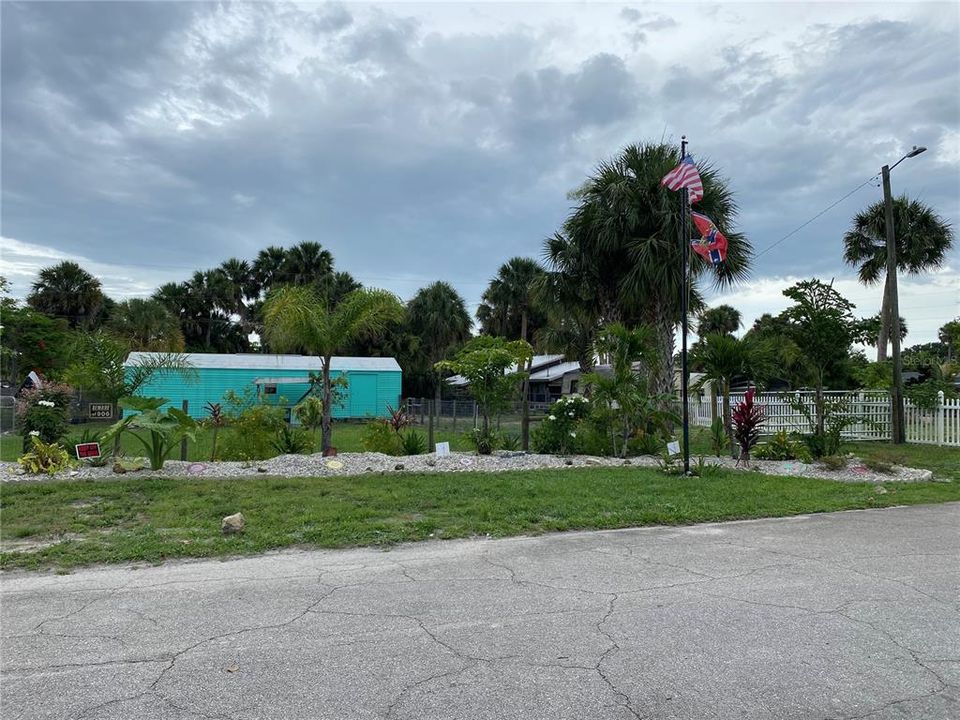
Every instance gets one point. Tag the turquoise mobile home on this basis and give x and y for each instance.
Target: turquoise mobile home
(372, 382)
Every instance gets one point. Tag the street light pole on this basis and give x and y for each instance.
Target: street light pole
(898, 431)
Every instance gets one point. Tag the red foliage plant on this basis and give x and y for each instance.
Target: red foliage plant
(747, 418)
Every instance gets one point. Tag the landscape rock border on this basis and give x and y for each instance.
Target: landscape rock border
(347, 464)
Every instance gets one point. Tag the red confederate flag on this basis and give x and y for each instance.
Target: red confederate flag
(685, 175)
(712, 245)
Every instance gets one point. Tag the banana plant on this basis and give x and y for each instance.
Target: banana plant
(163, 429)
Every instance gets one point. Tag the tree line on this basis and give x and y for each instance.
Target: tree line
(616, 259)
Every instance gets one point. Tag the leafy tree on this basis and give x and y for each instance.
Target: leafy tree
(868, 331)
(146, 325)
(949, 335)
(489, 366)
(513, 293)
(619, 257)
(298, 318)
(923, 241)
(29, 340)
(67, 291)
(725, 358)
(437, 316)
(823, 327)
(722, 320)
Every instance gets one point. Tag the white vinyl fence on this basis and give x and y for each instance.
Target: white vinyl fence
(937, 426)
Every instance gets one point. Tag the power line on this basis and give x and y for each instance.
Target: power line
(822, 212)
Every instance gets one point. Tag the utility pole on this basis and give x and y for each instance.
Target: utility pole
(898, 432)
(684, 373)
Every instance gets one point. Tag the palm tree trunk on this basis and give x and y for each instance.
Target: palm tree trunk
(326, 424)
(209, 329)
(662, 376)
(885, 323)
(525, 417)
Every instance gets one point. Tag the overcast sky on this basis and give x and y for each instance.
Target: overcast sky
(424, 142)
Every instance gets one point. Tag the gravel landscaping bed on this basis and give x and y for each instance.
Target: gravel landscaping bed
(369, 463)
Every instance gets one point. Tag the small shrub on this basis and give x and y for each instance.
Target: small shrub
(644, 443)
(557, 433)
(292, 441)
(509, 441)
(833, 462)
(879, 466)
(215, 420)
(379, 437)
(779, 447)
(669, 464)
(44, 458)
(399, 418)
(43, 410)
(705, 469)
(484, 442)
(747, 420)
(413, 443)
(88, 435)
(253, 426)
(309, 414)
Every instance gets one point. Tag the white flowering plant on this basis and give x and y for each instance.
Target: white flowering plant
(557, 433)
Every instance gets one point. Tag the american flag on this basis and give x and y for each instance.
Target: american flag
(685, 175)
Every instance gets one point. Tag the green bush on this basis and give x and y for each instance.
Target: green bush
(644, 443)
(718, 437)
(484, 442)
(557, 433)
(252, 428)
(413, 443)
(292, 441)
(43, 411)
(48, 458)
(509, 441)
(782, 447)
(379, 437)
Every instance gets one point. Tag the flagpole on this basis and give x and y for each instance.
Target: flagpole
(685, 375)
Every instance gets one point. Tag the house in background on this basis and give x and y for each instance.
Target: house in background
(539, 365)
(372, 382)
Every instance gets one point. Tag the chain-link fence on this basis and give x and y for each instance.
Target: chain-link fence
(461, 415)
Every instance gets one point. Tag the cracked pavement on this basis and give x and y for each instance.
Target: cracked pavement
(843, 615)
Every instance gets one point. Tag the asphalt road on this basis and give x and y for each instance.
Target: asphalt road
(847, 615)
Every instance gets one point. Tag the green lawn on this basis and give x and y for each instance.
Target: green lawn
(67, 524)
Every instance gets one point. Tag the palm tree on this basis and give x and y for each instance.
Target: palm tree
(514, 291)
(619, 256)
(67, 291)
(306, 263)
(923, 241)
(723, 320)
(208, 293)
(239, 284)
(438, 316)
(268, 267)
(147, 325)
(724, 358)
(298, 318)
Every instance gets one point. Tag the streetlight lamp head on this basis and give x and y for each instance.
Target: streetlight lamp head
(916, 151)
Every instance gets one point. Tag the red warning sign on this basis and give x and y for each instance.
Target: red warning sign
(88, 450)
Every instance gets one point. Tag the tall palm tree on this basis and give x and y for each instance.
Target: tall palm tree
(66, 290)
(306, 263)
(147, 325)
(208, 294)
(437, 315)
(923, 241)
(514, 291)
(298, 318)
(268, 267)
(239, 285)
(723, 320)
(619, 254)
(725, 358)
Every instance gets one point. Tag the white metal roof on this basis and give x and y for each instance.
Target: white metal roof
(263, 361)
(555, 372)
